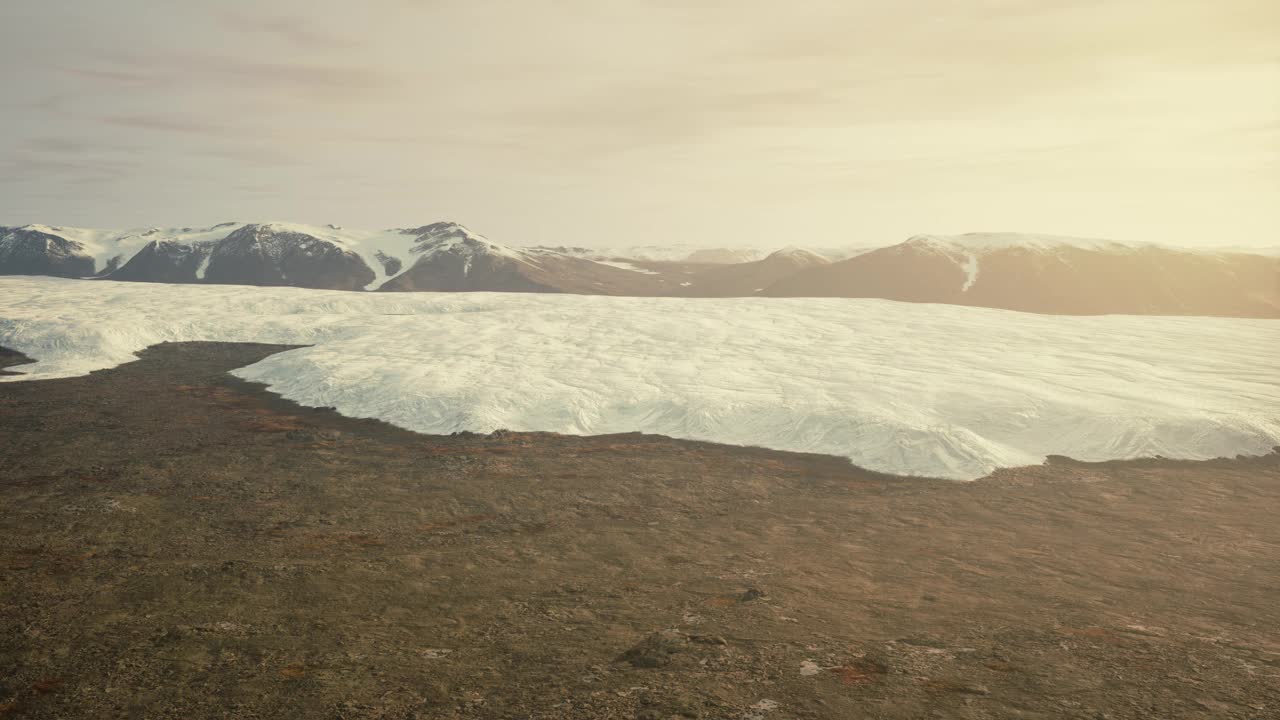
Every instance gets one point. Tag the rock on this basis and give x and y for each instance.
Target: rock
(678, 704)
(655, 650)
(751, 594)
(708, 639)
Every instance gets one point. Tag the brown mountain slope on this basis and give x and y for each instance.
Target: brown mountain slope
(750, 278)
(1050, 275)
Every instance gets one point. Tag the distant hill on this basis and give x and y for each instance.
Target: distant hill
(1049, 274)
(751, 278)
(451, 258)
(1033, 273)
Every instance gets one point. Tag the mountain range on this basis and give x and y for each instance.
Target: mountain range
(1026, 272)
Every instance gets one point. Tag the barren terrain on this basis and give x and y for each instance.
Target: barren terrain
(177, 543)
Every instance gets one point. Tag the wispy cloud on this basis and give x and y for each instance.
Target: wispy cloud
(168, 123)
(24, 167)
(733, 118)
(294, 30)
(166, 69)
(254, 156)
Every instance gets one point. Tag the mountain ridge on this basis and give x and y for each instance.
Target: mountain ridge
(1029, 272)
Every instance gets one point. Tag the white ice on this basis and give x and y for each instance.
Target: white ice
(627, 266)
(906, 388)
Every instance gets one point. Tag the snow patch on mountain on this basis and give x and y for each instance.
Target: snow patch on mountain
(627, 266)
(970, 268)
(106, 246)
(376, 248)
(454, 239)
(204, 263)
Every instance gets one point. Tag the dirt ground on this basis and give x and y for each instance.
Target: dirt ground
(175, 543)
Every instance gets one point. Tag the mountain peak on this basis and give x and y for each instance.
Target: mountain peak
(797, 255)
(441, 230)
(450, 238)
(36, 227)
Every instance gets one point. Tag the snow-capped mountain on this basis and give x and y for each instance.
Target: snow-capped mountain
(1051, 274)
(1035, 273)
(442, 256)
(451, 258)
(273, 255)
(168, 261)
(227, 253)
(84, 252)
(35, 250)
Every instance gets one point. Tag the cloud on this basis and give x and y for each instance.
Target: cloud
(115, 77)
(253, 156)
(164, 69)
(25, 167)
(726, 115)
(167, 123)
(290, 29)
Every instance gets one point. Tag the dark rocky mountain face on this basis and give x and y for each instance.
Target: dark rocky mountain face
(391, 265)
(262, 255)
(443, 230)
(113, 264)
(451, 259)
(164, 261)
(466, 272)
(27, 251)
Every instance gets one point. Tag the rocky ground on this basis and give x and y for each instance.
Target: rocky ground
(175, 543)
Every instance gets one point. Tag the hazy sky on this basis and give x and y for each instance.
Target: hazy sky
(753, 122)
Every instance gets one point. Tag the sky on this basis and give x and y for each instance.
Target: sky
(612, 122)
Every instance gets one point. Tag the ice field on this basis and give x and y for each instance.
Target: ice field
(931, 390)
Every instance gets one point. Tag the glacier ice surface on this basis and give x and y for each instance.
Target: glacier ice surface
(931, 390)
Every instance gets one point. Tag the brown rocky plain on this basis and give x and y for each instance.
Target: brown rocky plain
(176, 543)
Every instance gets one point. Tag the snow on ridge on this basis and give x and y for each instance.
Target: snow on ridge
(367, 244)
(449, 238)
(701, 254)
(626, 266)
(942, 400)
(401, 244)
(105, 244)
(657, 253)
(405, 245)
(983, 242)
(1263, 250)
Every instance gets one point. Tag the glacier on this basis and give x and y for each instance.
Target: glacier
(913, 389)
